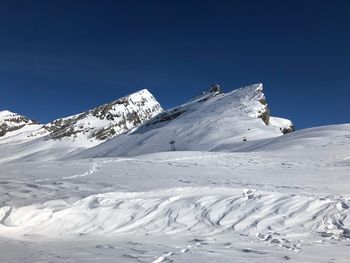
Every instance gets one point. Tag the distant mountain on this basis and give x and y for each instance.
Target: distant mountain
(109, 120)
(97, 125)
(213, 121)
(136, 124)
(10, 122)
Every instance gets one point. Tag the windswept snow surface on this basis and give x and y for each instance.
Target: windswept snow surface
(278, 199)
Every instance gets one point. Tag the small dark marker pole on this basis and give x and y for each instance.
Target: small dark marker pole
(172, 145)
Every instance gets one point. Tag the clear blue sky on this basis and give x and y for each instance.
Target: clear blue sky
(58, 58)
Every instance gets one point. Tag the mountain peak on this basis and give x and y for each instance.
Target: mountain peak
(10, 121)
(108, 120)
(6, 113)
(142, 92)
(213, 121)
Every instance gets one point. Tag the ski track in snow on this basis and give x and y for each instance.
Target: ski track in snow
(163, 258)
(95, 167)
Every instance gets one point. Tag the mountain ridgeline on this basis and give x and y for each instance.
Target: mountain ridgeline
(10, 122)
(137, 124)
(108, 120)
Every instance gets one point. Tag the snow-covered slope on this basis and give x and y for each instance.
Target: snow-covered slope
(213, 121)
(287, 200)
(10, 122)
(16, 129)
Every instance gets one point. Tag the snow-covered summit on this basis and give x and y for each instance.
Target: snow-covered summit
(10, 121)
(108, 120)
(210, 122)
(72, 134)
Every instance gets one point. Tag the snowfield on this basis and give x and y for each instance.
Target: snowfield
(274, 197)
(288, 199)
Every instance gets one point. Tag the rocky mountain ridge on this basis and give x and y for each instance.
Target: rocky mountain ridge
(10, 121)
(213, 121)
(98, 124)
(108, 120)
(140, 112)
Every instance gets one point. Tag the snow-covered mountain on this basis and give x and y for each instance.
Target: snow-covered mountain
(25, 140)
(95, 125)
(10, 122)
(136, 124)
(108, 120)
(235, 189)
(15, 129)
(214, 121)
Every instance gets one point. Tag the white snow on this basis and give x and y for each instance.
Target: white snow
(277, 200)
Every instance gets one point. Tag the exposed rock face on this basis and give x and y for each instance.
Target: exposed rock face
(263, 110)
(108, 120)
(215, 88)
(288, 129)
(10, 121)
